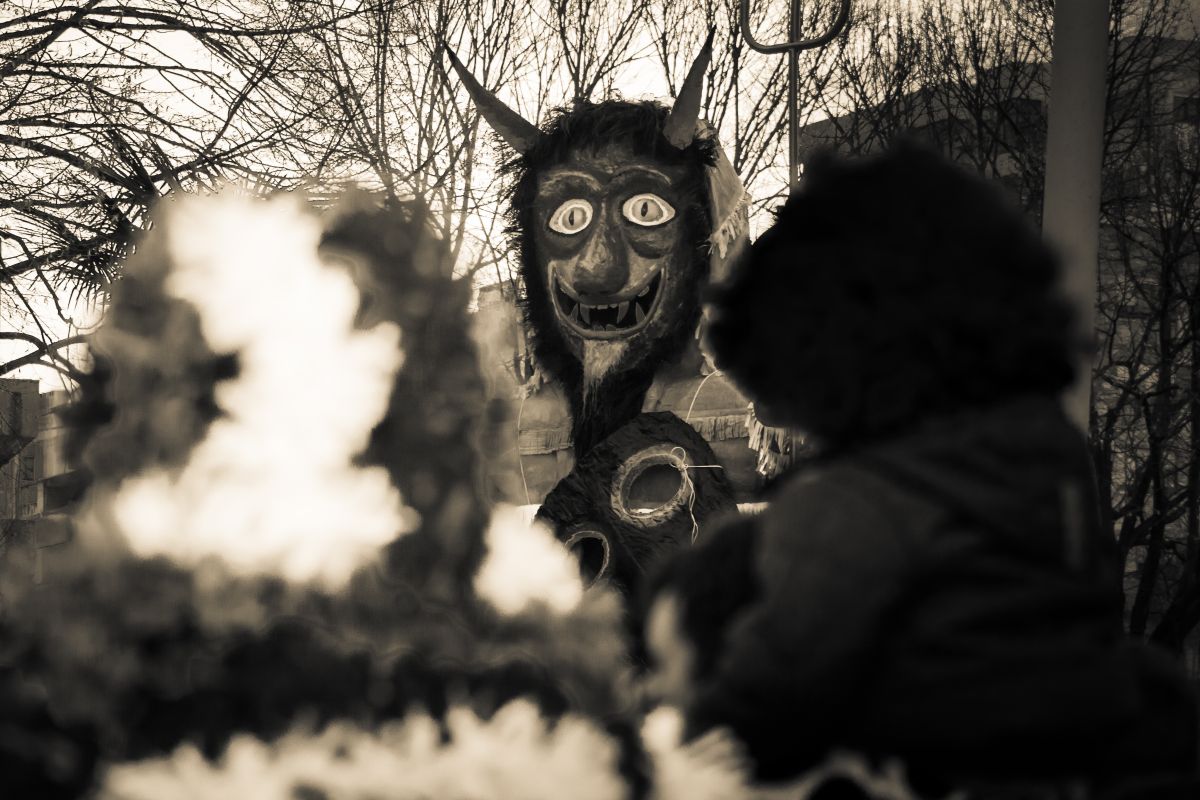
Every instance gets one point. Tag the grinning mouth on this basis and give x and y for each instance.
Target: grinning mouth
(599, 320)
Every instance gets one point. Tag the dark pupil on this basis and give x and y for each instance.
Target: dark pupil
(571, 218)
(645, 208)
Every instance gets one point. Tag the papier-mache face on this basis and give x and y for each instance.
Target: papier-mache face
(621, 211)
(611, 240)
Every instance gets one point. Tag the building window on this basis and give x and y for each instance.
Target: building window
(1187, 109)
(28, 464)
(1025, 114)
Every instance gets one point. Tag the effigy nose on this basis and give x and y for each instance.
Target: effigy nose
(603, 267)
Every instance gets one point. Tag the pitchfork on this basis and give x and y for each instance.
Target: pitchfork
(793, 48)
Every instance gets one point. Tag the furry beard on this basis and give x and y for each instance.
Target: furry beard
(609, 404)
(599, 359)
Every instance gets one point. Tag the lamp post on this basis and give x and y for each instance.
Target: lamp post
(1074, 153)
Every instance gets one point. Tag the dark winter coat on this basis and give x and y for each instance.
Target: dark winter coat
(946, 596)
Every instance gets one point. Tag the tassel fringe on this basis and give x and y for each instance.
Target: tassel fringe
(776, 447)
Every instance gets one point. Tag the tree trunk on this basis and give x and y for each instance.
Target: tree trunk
(1183, 613)
(1139, 615)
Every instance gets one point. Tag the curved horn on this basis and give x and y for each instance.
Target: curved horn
(512, 127)
(680, 127)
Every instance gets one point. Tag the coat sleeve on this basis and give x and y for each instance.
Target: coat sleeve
(832, 568)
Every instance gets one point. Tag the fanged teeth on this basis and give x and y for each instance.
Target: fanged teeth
(609, 316)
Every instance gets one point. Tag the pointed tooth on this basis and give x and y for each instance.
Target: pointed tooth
(622, 310)
(641, 315)
(610, 327)
(645, 291)
(586, 313)
(574, 315)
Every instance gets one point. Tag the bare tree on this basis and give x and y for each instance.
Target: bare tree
(971, 79)
(1145, 413)
(106, 106)
(746, 91)
(596, 39)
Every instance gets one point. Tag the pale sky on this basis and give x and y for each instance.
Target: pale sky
(642, 79)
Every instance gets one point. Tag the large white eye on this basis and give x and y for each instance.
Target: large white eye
(647, 209)
(571, 217)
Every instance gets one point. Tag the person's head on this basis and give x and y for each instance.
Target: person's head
(890, 290)
(689, 605)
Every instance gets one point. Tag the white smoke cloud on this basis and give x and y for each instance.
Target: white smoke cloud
(514, 755)
(525, 564)
(271, 489)
(713, 767)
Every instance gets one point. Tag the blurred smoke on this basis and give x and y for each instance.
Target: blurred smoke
(271, 488)
(515, 754)
(525, 563)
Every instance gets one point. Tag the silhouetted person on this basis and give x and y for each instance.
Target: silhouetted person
(935, 585)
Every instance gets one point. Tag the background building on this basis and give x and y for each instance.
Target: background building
(36, 485)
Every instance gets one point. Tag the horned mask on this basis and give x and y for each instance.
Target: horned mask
(621, 211)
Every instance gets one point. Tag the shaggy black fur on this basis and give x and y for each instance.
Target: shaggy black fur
(583, 498)
(714, 581)
(588, 127)
(367, 657)
(892, 290)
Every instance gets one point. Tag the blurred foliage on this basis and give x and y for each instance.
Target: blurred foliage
(112, 659)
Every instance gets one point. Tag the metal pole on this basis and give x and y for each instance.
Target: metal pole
(1074, 155)
(792, 98)
(793, 47)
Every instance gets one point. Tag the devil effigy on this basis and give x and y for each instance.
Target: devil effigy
(621, 213)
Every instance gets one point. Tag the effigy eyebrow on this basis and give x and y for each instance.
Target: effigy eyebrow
(559, 175)
(566, 175)
(642, 170)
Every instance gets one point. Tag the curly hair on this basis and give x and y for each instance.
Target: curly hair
(891, 290)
